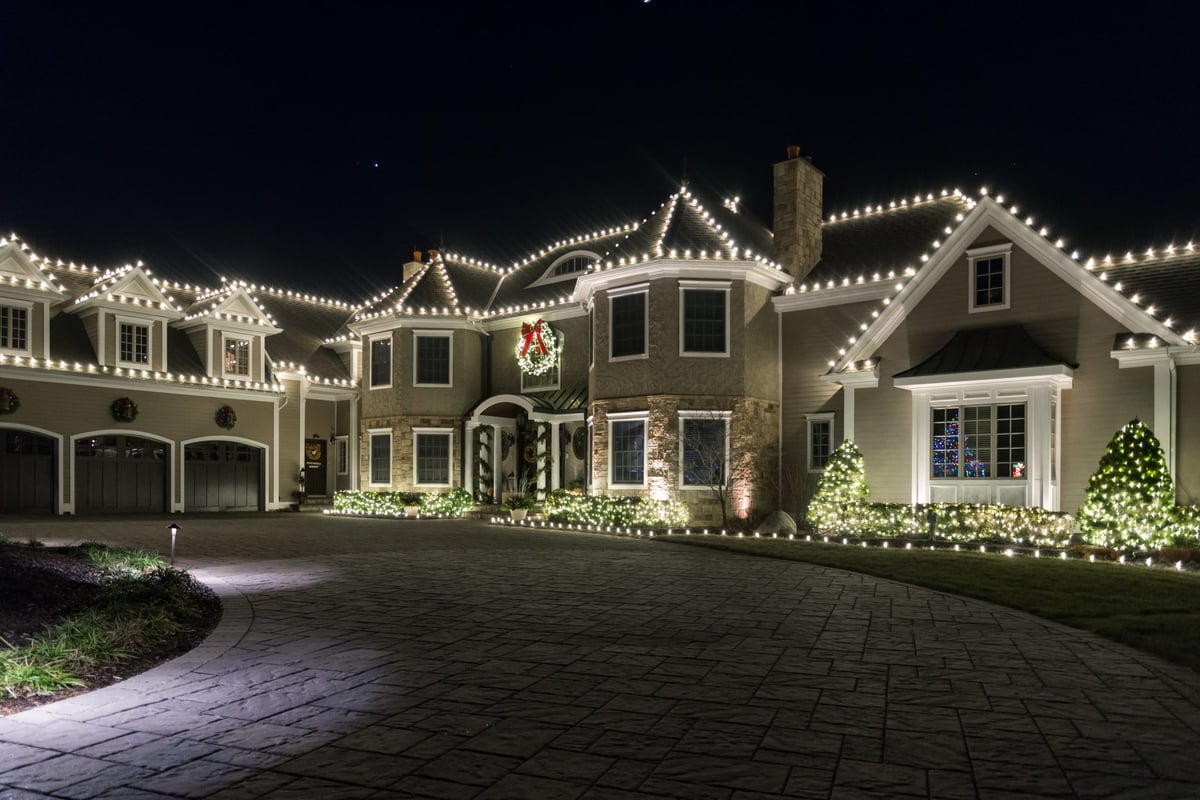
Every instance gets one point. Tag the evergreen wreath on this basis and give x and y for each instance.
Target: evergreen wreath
(9, 402)
(124, 409)
(537, 348)
(226, 417)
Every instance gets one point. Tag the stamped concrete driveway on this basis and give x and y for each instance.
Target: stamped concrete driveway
(377, 659)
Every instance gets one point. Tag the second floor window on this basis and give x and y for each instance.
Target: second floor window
(628, 313)
(704, 321)
(381, 362)
(433, 360)
(237, 357)
(13, 325)
(134, 343)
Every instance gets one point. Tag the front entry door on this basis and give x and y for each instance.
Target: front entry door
(314, 466)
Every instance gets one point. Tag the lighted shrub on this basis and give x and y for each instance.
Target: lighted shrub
(1185, 527)
(600, 509)
(386, 504)
(840, 503)
(451, 504)
(1130, 499)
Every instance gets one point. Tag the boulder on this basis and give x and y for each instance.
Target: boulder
(777, 522)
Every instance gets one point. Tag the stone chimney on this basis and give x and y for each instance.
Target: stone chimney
(414, 266)
(798, 190)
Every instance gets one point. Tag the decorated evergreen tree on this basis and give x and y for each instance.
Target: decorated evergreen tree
(1130, 498)
(841, 500)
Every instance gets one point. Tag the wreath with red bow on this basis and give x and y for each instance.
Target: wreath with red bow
(537, 348)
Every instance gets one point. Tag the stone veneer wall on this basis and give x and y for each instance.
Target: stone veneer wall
(754, 452)
(402, 449)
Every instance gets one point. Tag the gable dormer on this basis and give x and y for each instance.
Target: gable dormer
(228, 331)
(27, 294)
(126, 316)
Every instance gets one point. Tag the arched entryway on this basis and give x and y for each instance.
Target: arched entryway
(223, 475)
(28, 472)
(118, 473)
(517, 442)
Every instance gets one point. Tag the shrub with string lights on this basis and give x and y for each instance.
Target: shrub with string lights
(1130, 500)
(841, 500)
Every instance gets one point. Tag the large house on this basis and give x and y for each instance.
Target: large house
(970, 356)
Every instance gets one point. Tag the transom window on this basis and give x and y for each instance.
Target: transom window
(381, 362)
(432, 448)
(14, 322)
(432, 359)
(704, 314)
(134, 343)
(978, 441)
(627, 452)
(704, 442)
(237, 357)
(628, 312)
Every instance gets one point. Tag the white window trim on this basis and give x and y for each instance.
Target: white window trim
(628, 416)
(371, 360)
(371, 434)
(249, 375)
(625, 291)
(428, 334)
(341, 443)
(143, 323)
(556, 369)
(1004, 251)
(810, 420)
(706, 286)
(725, 416)
(28, 309)
(448, 433)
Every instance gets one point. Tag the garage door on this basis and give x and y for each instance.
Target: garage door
(222, 476)
(120, 474)
(27, 473)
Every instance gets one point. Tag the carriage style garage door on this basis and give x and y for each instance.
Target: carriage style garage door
(120, 474)
(222, 476)
(27, 473)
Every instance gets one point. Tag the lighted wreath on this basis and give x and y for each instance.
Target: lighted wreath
(537, 348)
(9, 402)
(226, 417)
(124, 409)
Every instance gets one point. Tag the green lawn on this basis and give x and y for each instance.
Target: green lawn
(1156, 610)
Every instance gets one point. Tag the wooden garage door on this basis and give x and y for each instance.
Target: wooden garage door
(222, 476)
(27, 473)
(120, 474)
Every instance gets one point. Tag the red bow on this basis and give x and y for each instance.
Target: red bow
(531, 332)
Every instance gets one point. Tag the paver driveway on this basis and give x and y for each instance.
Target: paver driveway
(363, 658)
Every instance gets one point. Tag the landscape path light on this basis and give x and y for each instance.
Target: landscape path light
(174, 529)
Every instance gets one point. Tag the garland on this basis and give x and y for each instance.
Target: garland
(483, 461)
(226, 417)
(124, 409)
(543, 438)
(537, 349)
(9, 402)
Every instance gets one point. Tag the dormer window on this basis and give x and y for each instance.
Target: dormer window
(568, 267)
(989, 277)
(237, 357)
(572, 265)
(134, 343)
(14, 324)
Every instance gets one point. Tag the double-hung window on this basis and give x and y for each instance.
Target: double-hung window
(628, 326)
(978, 441)
(704, 448)
(381, 362)
(627, 449)
(704, 318)
(14, 327)
(381, 456)
(432, 359)
(134, 343)
(989, 277)
(432, 448)
(820, 440)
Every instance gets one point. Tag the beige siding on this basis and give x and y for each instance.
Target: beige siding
(291, 443)
(573, 371)
(1187, 435)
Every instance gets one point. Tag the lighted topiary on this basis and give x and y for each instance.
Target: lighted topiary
(841, 500)
(1130, 499)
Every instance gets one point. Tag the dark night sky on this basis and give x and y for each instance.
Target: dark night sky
(205, 136)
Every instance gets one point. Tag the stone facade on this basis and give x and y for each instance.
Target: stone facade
(403, 457)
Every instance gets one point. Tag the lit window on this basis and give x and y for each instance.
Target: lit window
(381, 458)
(381, 362)
(13, 324)
(978, 441)
(628, 334)
(704, 316)
(237, 357)
(134, 343)
(704, 445)
(820, 440)
(432, 448)
(627, 451)
(432, 359)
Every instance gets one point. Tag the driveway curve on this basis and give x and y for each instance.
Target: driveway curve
(453, 659)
